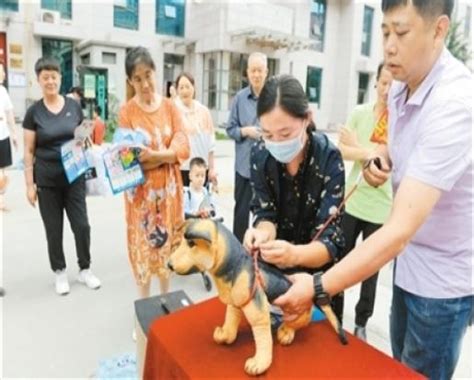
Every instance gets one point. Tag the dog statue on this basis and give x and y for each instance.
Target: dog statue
(209, 246)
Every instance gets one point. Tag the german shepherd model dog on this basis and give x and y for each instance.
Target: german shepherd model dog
(209, 246)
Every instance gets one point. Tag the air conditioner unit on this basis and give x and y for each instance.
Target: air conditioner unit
(50, 17)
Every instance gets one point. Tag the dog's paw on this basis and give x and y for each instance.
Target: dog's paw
(254, 366)
(223, 336)
(285, 335)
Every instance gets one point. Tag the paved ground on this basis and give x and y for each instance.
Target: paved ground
(48, 336)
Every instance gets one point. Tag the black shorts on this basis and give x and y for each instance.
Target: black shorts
(5, 153)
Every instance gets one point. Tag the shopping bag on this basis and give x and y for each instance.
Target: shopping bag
(97, 183)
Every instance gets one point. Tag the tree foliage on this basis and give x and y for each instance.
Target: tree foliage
(457, 43)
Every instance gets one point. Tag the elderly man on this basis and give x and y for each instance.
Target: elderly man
(243, 128)
(430, 227)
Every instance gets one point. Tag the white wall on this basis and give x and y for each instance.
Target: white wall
(348, 60)
(264, 14)
(19, 32)
(204, 23)
(91, 26)
(208, 27)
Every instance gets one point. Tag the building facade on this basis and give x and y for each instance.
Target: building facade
(332, 46)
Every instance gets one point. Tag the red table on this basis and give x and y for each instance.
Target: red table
(180, 346)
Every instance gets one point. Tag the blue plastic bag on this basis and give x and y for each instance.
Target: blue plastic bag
(123, 366)
(130, 136)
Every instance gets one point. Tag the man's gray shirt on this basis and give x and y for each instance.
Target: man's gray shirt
(243, 113)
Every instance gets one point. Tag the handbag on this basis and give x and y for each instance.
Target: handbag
(97, 182)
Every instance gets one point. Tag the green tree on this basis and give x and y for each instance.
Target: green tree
(457, 44)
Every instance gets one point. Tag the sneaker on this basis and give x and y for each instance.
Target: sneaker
(87, 278)
(360, 333)
(62, 283)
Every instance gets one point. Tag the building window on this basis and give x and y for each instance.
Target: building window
(9, 5)
(86, 59)
(64, 7)
(173, 65)
(367, 30)
(126, 14)
(363, 88)
(318, 23)
(212, 74)
(313, 84)
(237, 74)
(61, 50)
(170, 17)
(109, 58)
(272, 66)
(467, 22)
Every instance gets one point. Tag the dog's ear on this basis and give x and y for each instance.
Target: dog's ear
(194, 231)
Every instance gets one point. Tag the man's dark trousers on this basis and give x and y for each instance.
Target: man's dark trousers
(242, 197)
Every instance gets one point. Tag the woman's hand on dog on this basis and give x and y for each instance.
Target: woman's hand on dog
(279, 253)
(254, 238)
(299, 298)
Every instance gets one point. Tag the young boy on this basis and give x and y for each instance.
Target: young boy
(198, 201)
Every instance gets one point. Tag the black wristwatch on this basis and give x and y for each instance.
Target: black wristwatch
(321, 298)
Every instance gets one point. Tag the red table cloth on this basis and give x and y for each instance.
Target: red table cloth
(180, 346)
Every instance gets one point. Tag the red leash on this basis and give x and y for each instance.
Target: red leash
(377, 163)
(334, 216)
(258, 281)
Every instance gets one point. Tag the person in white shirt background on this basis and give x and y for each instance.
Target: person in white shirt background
(199, 127)
(7, 136)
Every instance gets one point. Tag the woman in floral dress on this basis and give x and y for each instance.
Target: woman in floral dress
(154, 210)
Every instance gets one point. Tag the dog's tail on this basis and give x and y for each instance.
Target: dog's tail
(334, 322)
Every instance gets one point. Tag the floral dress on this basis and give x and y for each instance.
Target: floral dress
(154, 210)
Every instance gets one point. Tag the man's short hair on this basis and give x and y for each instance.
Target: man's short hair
(197, 161)
(259, 56)
(47, 63)
(97, 110)
(427, 9)
(77, 90)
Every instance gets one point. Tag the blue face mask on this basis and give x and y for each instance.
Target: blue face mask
(285, 151)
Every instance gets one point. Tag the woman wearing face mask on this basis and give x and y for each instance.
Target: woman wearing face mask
(297, 177)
